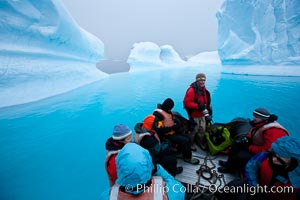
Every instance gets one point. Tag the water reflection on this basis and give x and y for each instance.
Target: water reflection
(58, 144)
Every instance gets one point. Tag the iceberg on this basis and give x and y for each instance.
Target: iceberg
(45, 28)
(259, 32)
(210, 57)
(149, 55)
(43, 51)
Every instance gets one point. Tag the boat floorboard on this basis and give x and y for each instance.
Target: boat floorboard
(190, 176)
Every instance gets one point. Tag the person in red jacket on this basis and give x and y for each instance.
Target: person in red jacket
(197, 102)
(264, 132)
(121, 136)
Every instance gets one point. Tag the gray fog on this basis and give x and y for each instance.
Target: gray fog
(190, 26)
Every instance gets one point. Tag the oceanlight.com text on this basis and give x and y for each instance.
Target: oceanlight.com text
(252, 190)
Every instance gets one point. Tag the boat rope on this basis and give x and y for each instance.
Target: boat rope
(206, 171)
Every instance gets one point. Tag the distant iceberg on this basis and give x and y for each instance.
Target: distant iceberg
(210, 57)
(259, 32)
(145, 55)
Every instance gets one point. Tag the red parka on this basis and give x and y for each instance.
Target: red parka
(194, 97)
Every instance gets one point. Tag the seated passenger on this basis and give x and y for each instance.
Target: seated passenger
(265, 130)
(165, 127)
(278, 167)
(158, 149)
(138, 178)
(121, 135)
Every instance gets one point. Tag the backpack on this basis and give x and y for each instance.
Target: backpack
(189, 110)
(218, 138)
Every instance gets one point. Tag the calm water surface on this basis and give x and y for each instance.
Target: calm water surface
(54, 148)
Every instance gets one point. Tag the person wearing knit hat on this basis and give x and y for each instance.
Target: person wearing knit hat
(278, 167)
(263, 116)
(197, 103)
(167, 105)
(121, 131)
(164, 125)
(265, 130)
(261, 113)
(121, 135)
(200, 77)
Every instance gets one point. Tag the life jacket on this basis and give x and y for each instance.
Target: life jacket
(140, 133)
(108, 155)
(258, 136)
(138, 137)
(145, 129)
(168, 120)
(154, 192)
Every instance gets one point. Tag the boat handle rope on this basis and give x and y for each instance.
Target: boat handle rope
(212, 178)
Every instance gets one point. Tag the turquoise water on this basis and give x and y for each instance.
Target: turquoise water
(54, 148)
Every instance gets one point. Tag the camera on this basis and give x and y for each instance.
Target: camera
(242, 140)
(205, 112)
(206, 115)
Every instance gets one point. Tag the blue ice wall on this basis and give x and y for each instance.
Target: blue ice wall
(259, 32)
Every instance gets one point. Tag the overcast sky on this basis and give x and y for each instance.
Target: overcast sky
(190, 26)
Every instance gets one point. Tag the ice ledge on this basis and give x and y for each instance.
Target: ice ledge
(263, 70)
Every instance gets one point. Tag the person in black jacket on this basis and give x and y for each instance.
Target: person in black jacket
(158, 149)
(165, 126)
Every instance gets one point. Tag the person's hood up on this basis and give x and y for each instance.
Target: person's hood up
(288, 147)
(134, 165)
